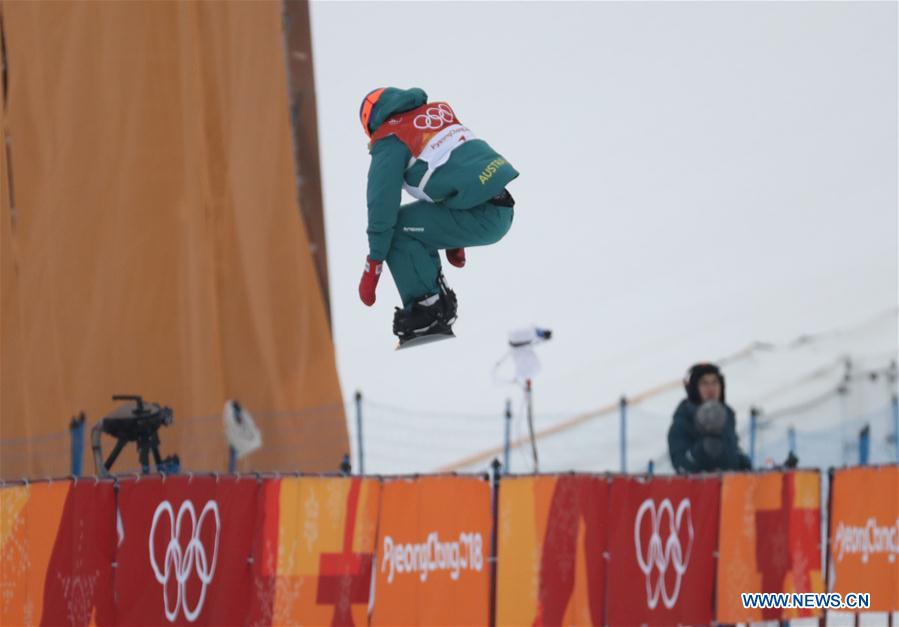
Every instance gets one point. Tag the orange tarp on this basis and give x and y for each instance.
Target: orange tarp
(151, 240)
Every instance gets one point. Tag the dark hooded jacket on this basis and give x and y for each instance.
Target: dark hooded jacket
(685, 442)
(455, 185)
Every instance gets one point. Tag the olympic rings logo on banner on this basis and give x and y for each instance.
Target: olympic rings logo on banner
(434, 118)
(183, 562)
(660, 555)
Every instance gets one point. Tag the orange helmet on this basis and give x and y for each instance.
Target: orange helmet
(371, 99)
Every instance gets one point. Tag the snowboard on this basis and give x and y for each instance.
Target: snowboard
(428, 338)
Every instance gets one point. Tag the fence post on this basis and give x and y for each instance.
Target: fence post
(822, 622)
(894, 402)
(896, 424)
(843, 393)
(530, 403)
(623, 433)
(753, 430)
(507, 441)
(864, 445)
(360, 450)
(494, 538)
(76, 432)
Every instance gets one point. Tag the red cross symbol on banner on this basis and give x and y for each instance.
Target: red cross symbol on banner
(785, 543)
(344, 578)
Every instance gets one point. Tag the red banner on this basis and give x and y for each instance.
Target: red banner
(663, 535)
(184, 551)
(78, 587)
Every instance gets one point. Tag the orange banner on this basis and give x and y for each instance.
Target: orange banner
(769, 541)
(864, 535)
(29, 521)
(552, 535)
(325, 546)
(432, 552)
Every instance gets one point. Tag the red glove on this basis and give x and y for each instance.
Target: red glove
(370, 281)
(456, 256)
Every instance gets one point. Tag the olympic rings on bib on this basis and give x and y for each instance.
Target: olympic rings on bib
(434, 118)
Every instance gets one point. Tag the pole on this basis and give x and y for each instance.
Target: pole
(360, 454)
(622, 404)
(753, 430)
(828, 583)
(494, 539)
(894, 402)
(507, 443)
(232, 452)
(650, 468)
(896, 424)
(76, 432)
(530, 403)
(843, 393)
(791, 439)
(864, 445)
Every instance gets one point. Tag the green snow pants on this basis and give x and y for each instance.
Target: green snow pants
(423, 229)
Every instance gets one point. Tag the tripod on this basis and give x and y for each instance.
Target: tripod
(138, 422)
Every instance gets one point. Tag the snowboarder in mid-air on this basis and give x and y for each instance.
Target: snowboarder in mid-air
(460, 183)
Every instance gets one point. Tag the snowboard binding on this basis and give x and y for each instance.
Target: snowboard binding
(429, 319)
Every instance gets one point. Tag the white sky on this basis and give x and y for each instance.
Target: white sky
(693, 177)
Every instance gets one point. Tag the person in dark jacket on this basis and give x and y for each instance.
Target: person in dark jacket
(703, 433)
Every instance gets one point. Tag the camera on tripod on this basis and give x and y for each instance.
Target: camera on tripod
(139, 422)
(529, 336)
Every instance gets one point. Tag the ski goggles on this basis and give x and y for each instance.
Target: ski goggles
(367, 105)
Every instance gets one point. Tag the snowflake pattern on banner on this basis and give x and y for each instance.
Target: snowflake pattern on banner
(310, 529)
(79, 589)
(14, 556)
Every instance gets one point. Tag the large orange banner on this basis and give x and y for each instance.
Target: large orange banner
(432, 552)
(770, 539)
(864, 534)
(320, 548)
(552, 536)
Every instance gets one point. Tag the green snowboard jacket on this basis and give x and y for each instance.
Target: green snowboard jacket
(474, 173)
